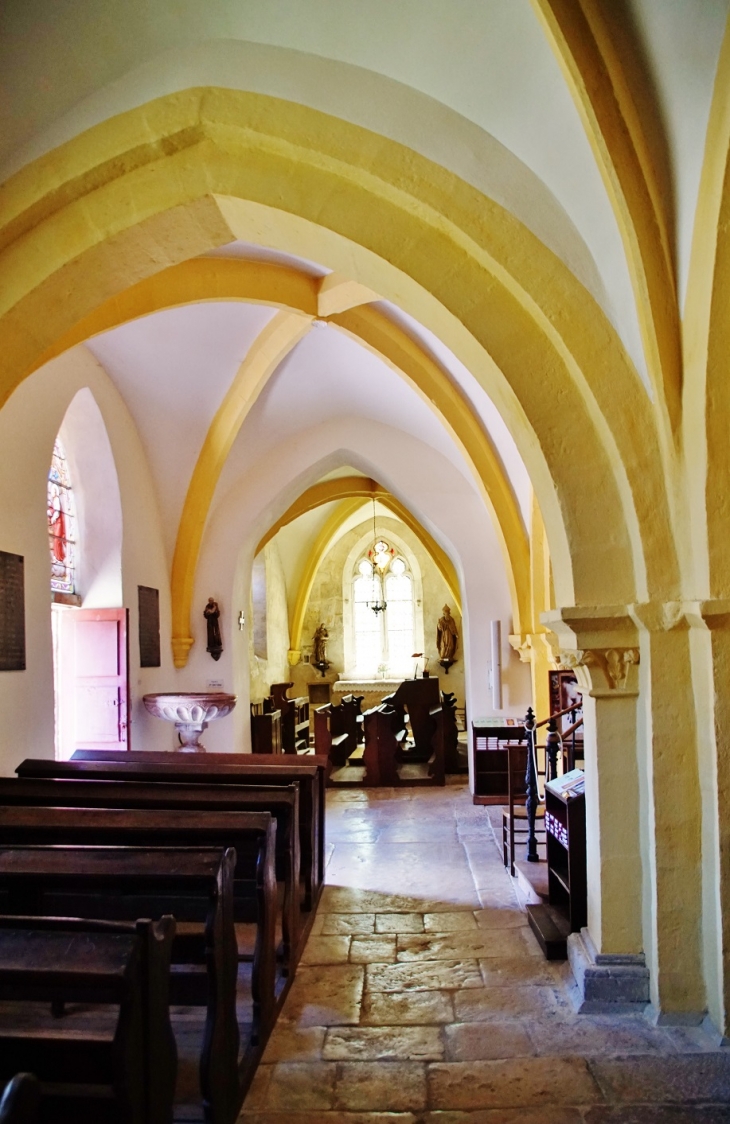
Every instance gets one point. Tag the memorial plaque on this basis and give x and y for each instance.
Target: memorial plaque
(149, 626)
(12, 612)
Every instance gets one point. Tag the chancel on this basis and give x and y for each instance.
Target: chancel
(364, 387)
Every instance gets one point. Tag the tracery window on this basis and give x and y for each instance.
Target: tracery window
(383, 639)
(62, 539)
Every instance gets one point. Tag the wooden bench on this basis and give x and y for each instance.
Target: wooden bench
(20, 1100)
(331, 736)
(418, 697)
(384, 736)
(352, 708)
(125, 883)
(122, 1071)
(251, 835)
(282, 803)
(216, 768)
(294, 718)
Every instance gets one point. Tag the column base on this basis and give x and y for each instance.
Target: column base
(606, 983)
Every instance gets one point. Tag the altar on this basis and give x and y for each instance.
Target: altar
(373, 691)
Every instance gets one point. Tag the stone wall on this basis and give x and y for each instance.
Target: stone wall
(326, 604)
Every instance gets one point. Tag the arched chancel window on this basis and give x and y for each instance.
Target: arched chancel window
(384, 639)
(61, 511)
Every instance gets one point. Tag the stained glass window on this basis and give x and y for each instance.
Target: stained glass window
(61, 524)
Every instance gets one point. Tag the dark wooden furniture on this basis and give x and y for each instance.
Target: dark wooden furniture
(294, 718)
(385, 734)
(123, 1071)
(331, 736)
(309, 773)
(417, 698)
(20, 1100)
(352, 709)
(452, 762)
(565, 827)
(126, 883)
(252, 834)
(281, 803)
(265, 730)
(490, 758)
(565, 831)
(439, 741)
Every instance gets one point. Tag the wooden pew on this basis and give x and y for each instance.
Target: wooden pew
(451, 733)
(251, 835)
(124, 1071)
(418, 697)
(20, 1100)
(384, 736)
(217, 768)
(331, 738)
(282, 803)
(352, 707)
(294, 718)
(125, 883)
(439, 741)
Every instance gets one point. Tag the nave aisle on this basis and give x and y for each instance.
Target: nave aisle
(423, 998)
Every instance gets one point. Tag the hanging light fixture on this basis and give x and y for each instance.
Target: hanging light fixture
(379, 555)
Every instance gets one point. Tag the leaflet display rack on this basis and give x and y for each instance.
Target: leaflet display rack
(565, 828)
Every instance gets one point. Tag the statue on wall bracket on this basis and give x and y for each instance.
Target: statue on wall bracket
(319, 649)
(446, 639)
(212, 613)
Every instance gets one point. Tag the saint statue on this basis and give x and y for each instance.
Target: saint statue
(319, 648)
(212, 613)
(446, 636)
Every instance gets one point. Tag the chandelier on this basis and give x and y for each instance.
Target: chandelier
(380, 555)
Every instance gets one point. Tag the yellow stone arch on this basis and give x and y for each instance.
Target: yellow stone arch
(593, 71)
(284, 287)
(173, 179)
(350, 491)
(707, 346)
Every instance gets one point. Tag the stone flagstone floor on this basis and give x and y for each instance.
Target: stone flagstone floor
(423, 997)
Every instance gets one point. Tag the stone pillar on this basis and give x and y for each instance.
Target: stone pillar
(607, 958)
(711, 662)
(672, 839)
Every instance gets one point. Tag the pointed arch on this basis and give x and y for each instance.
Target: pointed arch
(206, 165)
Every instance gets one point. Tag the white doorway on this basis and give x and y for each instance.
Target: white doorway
(91, 672)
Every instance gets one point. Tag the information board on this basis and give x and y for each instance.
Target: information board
(12, 612)
(149, 626)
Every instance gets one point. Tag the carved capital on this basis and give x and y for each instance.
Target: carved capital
(614, 663)
(530, 645)
(522, 644)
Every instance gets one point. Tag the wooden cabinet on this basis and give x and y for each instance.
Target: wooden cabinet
(491, 762)
(565, 827)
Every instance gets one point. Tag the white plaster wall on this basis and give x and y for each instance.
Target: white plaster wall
(425, 482)
(29, 423)
(275, 668)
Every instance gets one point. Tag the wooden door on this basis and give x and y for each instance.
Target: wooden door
(93, 656)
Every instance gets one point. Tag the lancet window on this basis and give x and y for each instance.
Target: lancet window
(62, 527)
(383, 616)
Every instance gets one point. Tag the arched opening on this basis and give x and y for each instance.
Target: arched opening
(89, 624)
